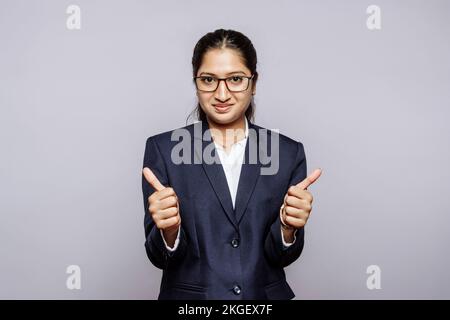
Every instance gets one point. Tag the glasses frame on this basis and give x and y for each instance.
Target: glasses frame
(223, 79)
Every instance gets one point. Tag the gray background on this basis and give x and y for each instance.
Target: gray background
(371, 108)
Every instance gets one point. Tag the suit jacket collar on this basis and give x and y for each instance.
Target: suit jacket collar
(250, 170)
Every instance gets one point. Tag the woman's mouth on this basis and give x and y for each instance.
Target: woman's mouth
(222, 107)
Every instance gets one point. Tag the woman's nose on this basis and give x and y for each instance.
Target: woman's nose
(222, 92)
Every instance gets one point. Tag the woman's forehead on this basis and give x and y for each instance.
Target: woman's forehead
(222, 62)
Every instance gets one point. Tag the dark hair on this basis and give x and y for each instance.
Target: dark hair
(221, 39)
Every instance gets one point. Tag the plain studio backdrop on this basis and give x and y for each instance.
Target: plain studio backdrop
(370, 106)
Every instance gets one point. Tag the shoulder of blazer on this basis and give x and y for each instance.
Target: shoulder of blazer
(164, 138)
(285, 141)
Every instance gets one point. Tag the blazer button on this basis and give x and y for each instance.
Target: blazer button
(237, 290)
(235, 243)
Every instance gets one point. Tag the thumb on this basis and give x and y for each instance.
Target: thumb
(310, 179)
(152, 179)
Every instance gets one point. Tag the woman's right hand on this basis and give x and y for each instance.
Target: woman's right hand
(163, 205)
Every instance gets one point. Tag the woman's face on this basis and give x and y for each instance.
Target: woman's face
(224, 63)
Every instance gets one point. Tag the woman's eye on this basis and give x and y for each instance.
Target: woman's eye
(208, 79)
(236, 79)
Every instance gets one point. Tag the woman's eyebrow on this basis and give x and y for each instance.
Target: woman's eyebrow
(212, 74)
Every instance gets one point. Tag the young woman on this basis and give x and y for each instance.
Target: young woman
(224, 229)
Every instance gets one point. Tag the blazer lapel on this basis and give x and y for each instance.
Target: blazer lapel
(214, 171)
(250, 171)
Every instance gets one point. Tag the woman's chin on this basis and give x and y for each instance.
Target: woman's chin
(222, 118)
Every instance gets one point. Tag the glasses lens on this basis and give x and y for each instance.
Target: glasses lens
(237, 83)
(206, 83)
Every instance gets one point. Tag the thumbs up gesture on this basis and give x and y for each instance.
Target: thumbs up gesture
(297, 207)
(163, 206)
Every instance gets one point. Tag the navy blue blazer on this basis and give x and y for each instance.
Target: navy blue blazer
(223, 253)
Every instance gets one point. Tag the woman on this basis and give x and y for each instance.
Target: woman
(224, 229)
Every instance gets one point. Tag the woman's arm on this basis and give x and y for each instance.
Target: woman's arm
(274, 249)
(156, 249)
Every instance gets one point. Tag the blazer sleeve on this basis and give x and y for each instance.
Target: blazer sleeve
(275, 251)
(155, 247)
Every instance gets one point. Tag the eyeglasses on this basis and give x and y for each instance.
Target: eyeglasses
(233, 83)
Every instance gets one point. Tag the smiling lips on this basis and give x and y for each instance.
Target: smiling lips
(221, 107)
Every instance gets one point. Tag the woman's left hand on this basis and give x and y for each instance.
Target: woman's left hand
(297, 204)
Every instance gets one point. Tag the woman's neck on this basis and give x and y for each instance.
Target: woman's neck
(235, 133)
